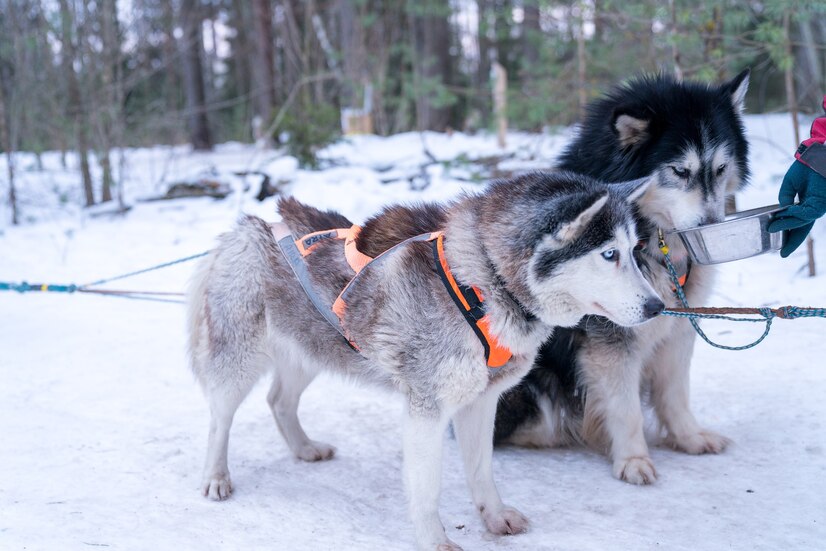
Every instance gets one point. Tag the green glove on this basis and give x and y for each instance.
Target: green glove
(801, 181)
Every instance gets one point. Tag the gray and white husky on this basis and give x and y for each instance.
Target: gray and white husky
(531, 246)
(588, 381)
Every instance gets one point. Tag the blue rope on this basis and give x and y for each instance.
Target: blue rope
(158, 267)
(793, 312)
(25, 287)
(767, 313)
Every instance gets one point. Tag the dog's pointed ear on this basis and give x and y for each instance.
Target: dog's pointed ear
(632, 190)
(630, 128)
(568, 231)
(736, 88)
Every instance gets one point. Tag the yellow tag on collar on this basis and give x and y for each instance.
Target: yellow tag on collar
(663, 247)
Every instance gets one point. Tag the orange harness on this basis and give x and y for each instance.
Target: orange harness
(469, 300)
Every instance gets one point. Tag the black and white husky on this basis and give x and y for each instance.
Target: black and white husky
(586, 385)
(530, 246)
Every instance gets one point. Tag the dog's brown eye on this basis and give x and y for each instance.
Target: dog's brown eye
(721, 169)
(681, 172)
(640, 245)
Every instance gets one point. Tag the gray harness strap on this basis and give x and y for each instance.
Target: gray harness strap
(287, 245)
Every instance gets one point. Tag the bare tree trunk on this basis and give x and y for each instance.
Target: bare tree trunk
(263, 67)
(672, 33)
(599, 20)
(290, 34)
(582, 82)
(713, 43)
(171, 80)
(431, 39)
(500, 102)
(483, 8)
(193, 45)
(809, 74)
(353, 53)
(77, 108)
(5, 143)
(110, 108)
(531, 35)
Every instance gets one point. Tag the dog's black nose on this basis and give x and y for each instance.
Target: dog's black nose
(652, 307)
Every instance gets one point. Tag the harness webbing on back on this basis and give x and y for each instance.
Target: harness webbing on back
(469, 300)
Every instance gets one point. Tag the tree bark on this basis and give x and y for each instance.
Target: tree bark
(809, 75)
(582, 92)
(500, 102)
(531, 36)
(76, 107)
(193, 45)
(431, 41)
(170, 62)
(263, 68)
(353, 53)
(5, 143)
(485, 45)
(111, 101)
(672, 33)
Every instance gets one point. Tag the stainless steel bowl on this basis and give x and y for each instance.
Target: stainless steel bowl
(741, 235)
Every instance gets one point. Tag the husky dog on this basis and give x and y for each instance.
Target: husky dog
(586, 385)
(530, 246)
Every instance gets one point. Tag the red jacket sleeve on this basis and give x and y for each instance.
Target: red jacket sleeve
(812, 152)
(818, 131)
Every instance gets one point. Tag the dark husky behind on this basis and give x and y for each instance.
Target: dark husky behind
(586, 383)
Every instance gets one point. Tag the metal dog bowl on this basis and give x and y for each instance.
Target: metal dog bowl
(741, 235)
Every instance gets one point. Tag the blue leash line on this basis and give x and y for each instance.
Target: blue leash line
(767, 314)
(158, 267)
(25, 287)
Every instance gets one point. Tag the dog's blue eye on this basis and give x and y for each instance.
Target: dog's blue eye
(611, 255)
(681, 172)
(720, 169)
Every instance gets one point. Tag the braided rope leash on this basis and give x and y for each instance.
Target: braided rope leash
(25, 287)
(767, 315)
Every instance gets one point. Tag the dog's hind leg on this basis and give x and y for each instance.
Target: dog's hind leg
(473, 425)
(223, 403)
(285, 393)
(669, 374)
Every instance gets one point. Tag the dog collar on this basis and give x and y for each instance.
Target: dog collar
(681, 279)
(471, 303)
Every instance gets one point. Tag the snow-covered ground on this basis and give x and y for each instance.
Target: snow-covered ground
(103, 430)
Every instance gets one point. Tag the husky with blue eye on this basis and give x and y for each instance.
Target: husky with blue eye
(588, 381)
(528, 250)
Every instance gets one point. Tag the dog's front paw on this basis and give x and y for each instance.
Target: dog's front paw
(315, 451)
(635, 470)
(704, 441)
(217, 487)
(506, 521)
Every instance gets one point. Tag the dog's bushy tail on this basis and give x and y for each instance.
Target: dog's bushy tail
(303, 219)
(226, 299)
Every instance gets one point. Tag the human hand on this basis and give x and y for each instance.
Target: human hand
(802, 181)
